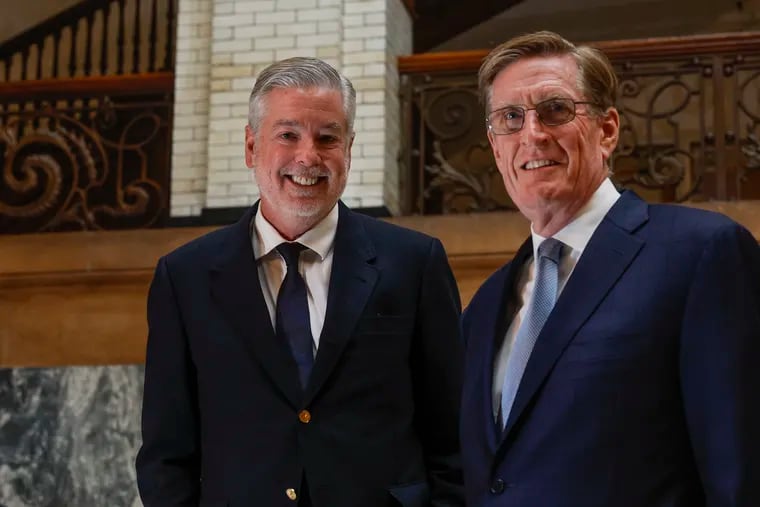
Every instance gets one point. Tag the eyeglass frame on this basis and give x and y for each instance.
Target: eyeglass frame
(534, 108)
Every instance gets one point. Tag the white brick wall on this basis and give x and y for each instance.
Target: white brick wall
(398, 42)
(375, 33)
(191, 89)
(223, 44)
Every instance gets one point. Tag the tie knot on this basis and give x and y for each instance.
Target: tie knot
(551, 249)
(290, 253)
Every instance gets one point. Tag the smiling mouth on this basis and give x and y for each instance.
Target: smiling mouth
(304, 181)
(537, 164)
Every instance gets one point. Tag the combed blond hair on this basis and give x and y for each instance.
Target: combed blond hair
(596, 78)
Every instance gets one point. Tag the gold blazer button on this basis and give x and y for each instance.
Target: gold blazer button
(304, 416)
(291, 493)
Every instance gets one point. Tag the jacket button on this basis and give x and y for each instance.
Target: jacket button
(291, 494)
(497, 486)
(304, 416)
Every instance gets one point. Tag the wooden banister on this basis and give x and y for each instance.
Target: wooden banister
(143, 26)
(86, 86)
(635, 49)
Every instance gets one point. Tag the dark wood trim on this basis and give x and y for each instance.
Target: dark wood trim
(158, 82)
(660, 47)
(441, 62)
(68, 278)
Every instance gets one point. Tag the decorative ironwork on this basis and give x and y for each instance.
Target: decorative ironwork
(751, 150)
(100, 163)
(455, 168)
(682, 103)
(454, 184)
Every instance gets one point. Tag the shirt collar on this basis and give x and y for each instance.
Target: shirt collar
(319, 239)
(578, 232)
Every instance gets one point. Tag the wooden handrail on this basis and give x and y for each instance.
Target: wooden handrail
(43, 29)
(660, 47)
(157, 82)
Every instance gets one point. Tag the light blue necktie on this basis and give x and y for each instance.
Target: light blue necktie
(544, 297)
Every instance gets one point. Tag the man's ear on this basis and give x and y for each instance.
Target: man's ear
(250, 145)
(610, 132)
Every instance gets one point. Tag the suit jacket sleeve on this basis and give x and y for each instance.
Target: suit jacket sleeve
(168, 473)
(437, 365)
(720, 368)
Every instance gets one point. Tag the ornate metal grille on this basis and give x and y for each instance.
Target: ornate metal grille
(96, 163)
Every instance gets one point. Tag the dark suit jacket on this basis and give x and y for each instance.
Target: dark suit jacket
(222, 398)
(642, 389)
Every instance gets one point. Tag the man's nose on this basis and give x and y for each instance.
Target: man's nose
(307, 153)
(533, 130)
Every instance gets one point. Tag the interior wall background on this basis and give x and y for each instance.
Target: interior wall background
(222, 45)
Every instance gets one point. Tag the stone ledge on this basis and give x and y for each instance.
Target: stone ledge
(79, 298)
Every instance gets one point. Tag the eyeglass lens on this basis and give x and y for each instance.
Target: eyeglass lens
(550, 112)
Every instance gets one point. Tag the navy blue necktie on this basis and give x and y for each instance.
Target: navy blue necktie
(292, 320)
(544, 297)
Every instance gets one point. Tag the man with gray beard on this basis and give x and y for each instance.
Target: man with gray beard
(307, 355)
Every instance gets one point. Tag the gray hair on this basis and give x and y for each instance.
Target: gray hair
(300, 72)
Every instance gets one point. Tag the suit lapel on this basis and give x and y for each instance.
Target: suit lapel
(494, 325)
(607, 256)
(352, 280)
(236, 288)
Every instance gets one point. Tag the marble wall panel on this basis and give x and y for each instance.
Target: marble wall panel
(69, 436)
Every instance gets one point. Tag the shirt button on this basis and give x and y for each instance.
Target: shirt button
(304, 416)
(497, 487)
(291, 494)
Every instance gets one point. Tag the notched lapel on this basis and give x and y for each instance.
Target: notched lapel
(235, 287)
(607, 256)
(352, 281)
(493, 326)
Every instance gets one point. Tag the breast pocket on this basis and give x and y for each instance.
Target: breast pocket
(387, 337)
(587, 356)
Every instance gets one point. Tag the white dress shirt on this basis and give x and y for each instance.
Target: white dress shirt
(575, 236)
(315, 266)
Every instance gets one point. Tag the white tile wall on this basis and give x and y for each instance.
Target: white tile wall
(191, 95)
(223, 44)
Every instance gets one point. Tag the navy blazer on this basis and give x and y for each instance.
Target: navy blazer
(642, 388)
(221, 423)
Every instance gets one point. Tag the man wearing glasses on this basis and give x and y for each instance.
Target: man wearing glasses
(616, 360)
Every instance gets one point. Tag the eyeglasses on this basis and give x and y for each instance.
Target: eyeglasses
(552, 112)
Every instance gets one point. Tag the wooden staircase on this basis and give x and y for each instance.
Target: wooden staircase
(85, 118)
